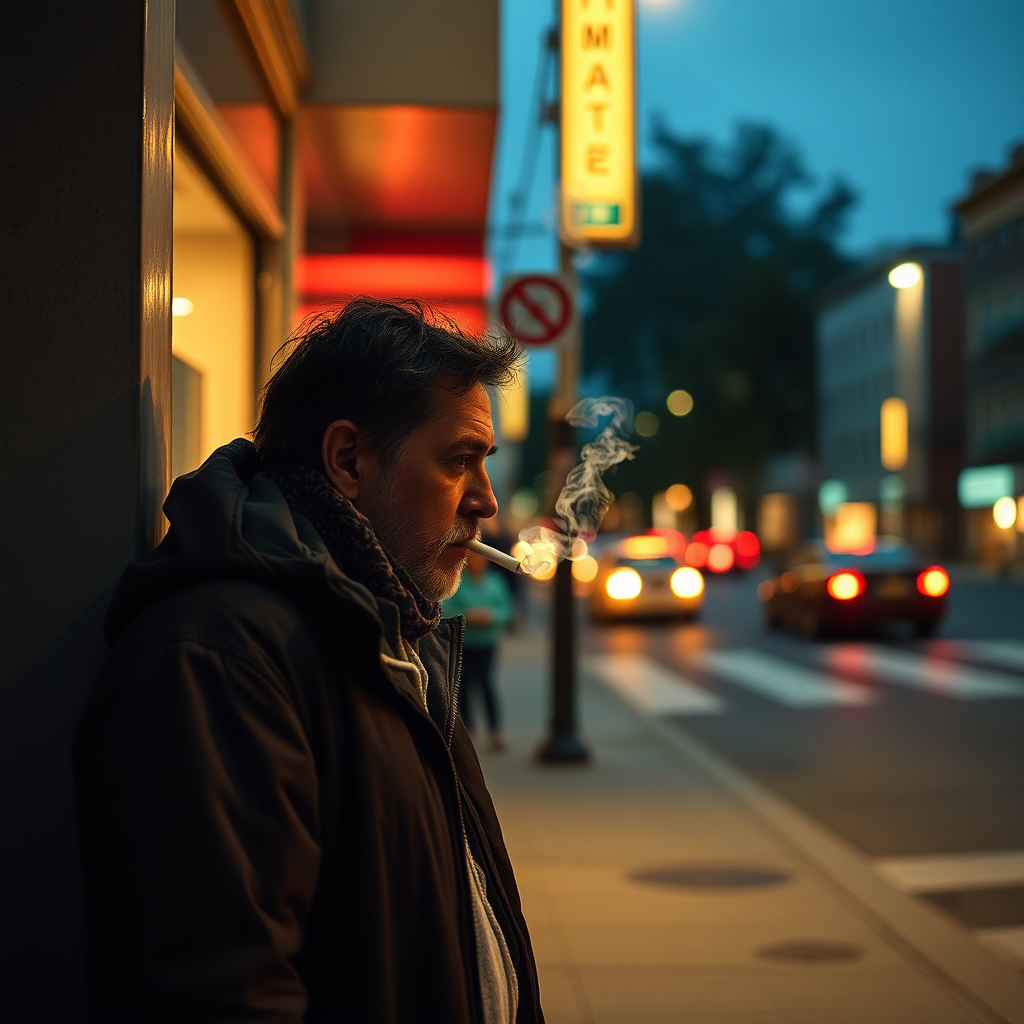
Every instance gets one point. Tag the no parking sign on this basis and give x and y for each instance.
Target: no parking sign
(536, 309)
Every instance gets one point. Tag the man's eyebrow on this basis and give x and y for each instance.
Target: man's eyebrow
(472, 442)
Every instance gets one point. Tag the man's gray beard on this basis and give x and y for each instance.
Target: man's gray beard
(406, 542)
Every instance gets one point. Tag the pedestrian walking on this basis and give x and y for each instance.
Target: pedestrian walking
(485, 601)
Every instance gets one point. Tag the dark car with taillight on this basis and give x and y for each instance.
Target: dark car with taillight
(824, 592)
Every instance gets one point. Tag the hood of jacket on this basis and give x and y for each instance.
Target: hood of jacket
(228, 520)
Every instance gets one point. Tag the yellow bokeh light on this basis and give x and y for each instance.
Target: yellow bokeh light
(686, 582)
(679, 497)
(906, 275)
(623, 584)
(584, 569)
(1004, 512)
(895, 434)
(579, 549)
(180, 306)
(645, 546)
(646, 424)
(679, 403)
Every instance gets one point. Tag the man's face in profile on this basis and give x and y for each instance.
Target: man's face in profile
(433, 497)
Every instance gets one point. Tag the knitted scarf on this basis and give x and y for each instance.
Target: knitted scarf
(354, 546)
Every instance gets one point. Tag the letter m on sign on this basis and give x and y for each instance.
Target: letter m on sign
(597, 37)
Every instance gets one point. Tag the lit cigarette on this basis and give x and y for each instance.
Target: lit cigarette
(494, 555)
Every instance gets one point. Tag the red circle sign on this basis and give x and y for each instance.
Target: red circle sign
(536, 309)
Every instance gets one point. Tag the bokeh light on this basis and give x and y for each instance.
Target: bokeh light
(686, 582)
(1004, 512)
(180, 306)
(623, 584)
(679, 497)
(646, 424)
(906, 275)
(679, 403)
(584, 569)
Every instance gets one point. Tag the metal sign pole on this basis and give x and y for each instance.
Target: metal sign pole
(563, 746)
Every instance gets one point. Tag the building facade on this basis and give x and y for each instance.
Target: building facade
(992, 227)
(889, 359)
(199, 152)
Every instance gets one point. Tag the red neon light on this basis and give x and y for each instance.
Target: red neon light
(387, 275)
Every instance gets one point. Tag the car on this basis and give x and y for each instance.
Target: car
(645, 576)
(824, 592)
(720, 551)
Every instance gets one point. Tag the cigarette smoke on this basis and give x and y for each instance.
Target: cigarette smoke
(584, 500)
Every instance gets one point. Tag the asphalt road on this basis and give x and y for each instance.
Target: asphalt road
(911, 750)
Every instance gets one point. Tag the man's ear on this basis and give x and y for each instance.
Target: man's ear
(340, 451)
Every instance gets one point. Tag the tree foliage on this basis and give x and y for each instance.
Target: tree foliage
(717, 301)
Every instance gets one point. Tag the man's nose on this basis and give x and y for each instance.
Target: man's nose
(479, 499)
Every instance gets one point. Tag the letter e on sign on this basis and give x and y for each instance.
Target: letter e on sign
(599, 187)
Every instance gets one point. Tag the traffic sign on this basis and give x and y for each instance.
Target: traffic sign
(536, 309)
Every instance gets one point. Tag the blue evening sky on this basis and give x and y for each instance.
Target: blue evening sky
(902, 98)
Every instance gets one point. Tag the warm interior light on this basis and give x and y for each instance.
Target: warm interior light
(720, 558)
(894, 434)
(845, 585)
(679, 403)
(623, 584)
(853, 529)
(765, 590)
(906, 275)
(645, 546)
(584, 569)
(679, 497)
(933, 582)
(1004, 512)
(180, 306)
(686, 582)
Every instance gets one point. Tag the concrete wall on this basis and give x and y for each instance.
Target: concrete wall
(84, 395)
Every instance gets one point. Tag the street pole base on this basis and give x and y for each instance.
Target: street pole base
(563, 748)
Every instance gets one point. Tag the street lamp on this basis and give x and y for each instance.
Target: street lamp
(906, 275)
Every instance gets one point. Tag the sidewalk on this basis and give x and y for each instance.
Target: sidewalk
(810, 935)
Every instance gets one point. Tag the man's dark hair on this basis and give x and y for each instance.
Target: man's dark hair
(375, 363)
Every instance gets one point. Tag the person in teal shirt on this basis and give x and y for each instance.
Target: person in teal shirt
(484, 599)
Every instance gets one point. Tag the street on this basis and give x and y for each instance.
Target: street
(909, 750)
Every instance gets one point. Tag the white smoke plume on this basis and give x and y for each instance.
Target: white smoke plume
(585, 498)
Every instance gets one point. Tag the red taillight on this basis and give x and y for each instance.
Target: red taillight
(933, 581)
(748, 549)
(697, 553)
(845, 585)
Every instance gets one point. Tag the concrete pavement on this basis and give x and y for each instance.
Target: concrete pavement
(662, 885)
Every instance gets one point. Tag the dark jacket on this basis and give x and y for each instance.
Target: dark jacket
(271, 823)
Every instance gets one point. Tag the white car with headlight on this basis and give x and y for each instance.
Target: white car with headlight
(645, 577)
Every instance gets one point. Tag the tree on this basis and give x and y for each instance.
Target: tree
(718, 300)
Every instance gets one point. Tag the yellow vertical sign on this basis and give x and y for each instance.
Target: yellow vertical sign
(599, 193)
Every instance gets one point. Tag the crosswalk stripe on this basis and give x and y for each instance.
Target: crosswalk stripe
(954, 871)
(652, 688)
(793, 685)
(935, 675)
(1001, 653)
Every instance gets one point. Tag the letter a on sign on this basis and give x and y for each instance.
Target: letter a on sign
(599, 191)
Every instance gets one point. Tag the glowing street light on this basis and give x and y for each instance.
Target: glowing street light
(906, 275)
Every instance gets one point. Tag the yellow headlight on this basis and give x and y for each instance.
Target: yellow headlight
(623, 584)
(686, 582)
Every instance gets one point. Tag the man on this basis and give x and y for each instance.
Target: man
(282, 818)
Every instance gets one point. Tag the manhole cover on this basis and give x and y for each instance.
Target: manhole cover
(710, 876)
(810, 951)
